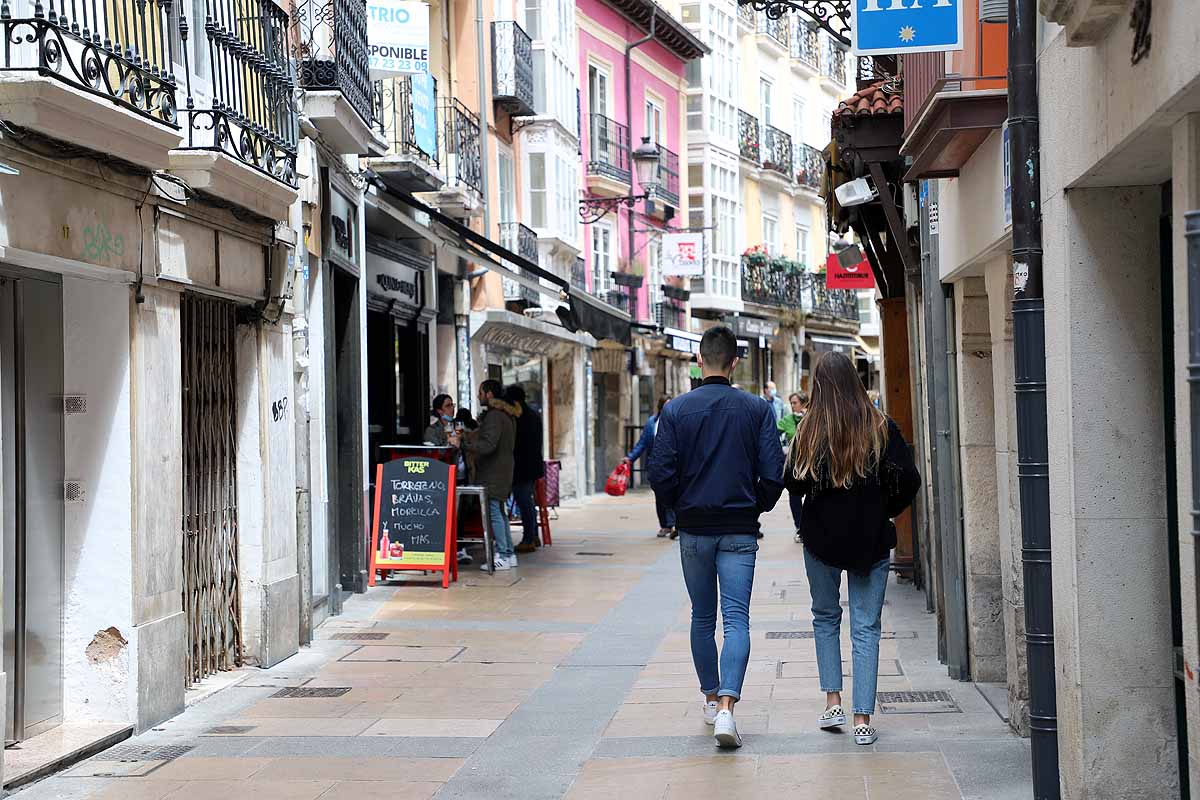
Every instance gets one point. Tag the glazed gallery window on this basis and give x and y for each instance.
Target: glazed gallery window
(770, 227)
(602, 247)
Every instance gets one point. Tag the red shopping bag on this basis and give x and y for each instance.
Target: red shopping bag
(618, 480)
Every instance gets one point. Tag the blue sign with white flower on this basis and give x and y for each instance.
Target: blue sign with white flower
(884, 27)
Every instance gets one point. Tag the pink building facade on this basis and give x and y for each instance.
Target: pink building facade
(613, 123)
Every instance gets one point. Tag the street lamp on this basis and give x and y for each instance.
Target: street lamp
(645, 166)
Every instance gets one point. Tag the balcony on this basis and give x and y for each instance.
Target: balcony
(670, 314)
(810, 167)
(619, 299)
(99, 76)
(774, 32)
(777, 152)
(833, 67)
(512, 69)
(332, 67)
(406, 118)
(242, 123)
(956, 117)
(747, 16)
(769, 285)
(667, 176)
(579, 273)
(523, 241)
(805, 49)
(462, 158)
(748, 136)
(608, 166)
(837, 304)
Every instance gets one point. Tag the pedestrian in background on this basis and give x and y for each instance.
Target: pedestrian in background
(441, 422)
(799, 404)
(855, 472)
(718, 464)
(771, 395)
(492, 447)
(528, 467)
(643, 449)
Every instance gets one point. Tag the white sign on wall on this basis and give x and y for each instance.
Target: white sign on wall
(397, 37)
(683, 253)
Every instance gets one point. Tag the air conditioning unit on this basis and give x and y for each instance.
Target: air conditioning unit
(993, 10)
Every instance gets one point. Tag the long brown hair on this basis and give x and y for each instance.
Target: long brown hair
(843, 435)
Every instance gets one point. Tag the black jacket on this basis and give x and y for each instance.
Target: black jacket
(716, 459)
(852, 528)
(528, 463)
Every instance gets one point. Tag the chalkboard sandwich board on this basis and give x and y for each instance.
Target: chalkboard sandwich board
(414, 518)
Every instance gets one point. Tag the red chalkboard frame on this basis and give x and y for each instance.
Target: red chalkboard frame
(449, 565)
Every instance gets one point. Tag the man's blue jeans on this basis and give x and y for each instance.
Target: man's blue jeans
(500, 531)
(726, 561)
(666, 514)
(866, 607)
(523, 493)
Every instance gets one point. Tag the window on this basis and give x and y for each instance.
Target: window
(507, 187)
(654, 123)
(533, 19)
(539, 81)
(764, 96)
(770, 228)
(802, 244)
(537, 190)
(695, 112)
(690, 14)
(602, 236)
(598, 97)
(654, 269)
(866, 305)
(797, 124)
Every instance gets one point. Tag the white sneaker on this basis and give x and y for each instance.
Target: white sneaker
(865, 734)
(512, 560)
(498, 562)
(725, 730)
(834, 717)
(710, 711)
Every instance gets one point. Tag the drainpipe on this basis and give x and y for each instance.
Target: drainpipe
(1029, 361)
(629, 48)
(1192, 232)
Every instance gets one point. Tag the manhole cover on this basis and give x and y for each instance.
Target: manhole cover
(590, 553)
(365, 635)
(136, 752)
(789, 634)
(295, 692)
(937, 702)
(230, 730)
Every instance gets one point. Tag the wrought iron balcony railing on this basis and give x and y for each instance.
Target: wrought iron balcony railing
(669, 314)
(776, 29)
(810, 166)
(396, 118)
(619, 299)
(835, 63)
(331, 50)
(460, 145)
(748, 136)
(840, 304)
(746, 15)
(805, 45)
(777, 151)
(768, 286)
(608, 149)
(250, 113)
(122, 51)
(519, 239)
(668, 177)
(512, 68)
(579, 273)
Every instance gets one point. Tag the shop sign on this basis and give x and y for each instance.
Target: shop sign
(887, 27)
(414, 517)
(682, 341)
(682, 254)
(397, 37)
(754, 326)
(848, 270)
(393, 280)
(514, 338)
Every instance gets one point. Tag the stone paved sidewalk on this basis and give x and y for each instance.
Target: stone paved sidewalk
(569, 677)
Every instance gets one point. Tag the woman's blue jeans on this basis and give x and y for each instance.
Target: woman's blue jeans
(866, 607)
(720, 566)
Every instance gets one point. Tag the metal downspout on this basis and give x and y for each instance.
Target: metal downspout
(1029, 361)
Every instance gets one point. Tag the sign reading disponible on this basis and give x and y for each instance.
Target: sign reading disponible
(414, 517)
(397, 37)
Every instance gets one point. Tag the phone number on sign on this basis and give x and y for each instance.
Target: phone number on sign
(399, 64)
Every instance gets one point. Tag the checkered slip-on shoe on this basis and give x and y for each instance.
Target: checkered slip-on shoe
(834, 717)
(865, 734)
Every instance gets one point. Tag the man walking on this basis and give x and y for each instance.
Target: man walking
(492, 446)
(718, 463)
(644, 449)
(528, 467)
(772, 397)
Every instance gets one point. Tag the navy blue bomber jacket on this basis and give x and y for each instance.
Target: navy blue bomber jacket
(717, 460)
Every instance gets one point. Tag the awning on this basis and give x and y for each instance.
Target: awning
(687, 342)
(503, 328)
(837, 343)
(583, 312)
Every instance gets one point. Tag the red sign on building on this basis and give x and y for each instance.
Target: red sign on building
(855, 275)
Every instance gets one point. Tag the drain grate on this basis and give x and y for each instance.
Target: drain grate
(230, 730)
(898, 635)
(789, 634)
(142, 752)
(365, 636)
(936, 702)
(297, 692)
(591, 553)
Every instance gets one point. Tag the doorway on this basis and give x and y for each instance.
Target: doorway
(347, 491)
(31, 500)
(599, 440)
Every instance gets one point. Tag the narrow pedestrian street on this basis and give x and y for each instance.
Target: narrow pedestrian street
(568, 677)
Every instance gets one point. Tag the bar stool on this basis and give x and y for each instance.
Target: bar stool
(487, 540)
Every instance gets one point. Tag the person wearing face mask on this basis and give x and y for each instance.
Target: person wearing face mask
(441, 425)
(772, 397)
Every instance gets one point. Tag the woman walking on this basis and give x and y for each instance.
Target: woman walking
(852, 468)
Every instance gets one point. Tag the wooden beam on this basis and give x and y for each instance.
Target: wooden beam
(895, 224)
(897, 401)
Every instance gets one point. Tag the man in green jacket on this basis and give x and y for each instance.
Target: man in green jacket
(492, 446)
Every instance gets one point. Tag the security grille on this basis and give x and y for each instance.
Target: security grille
(591, 553)
(935, 702)
(789, 634)
(210, 532)
(309, 692)
(364, 636)
(141, 752)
